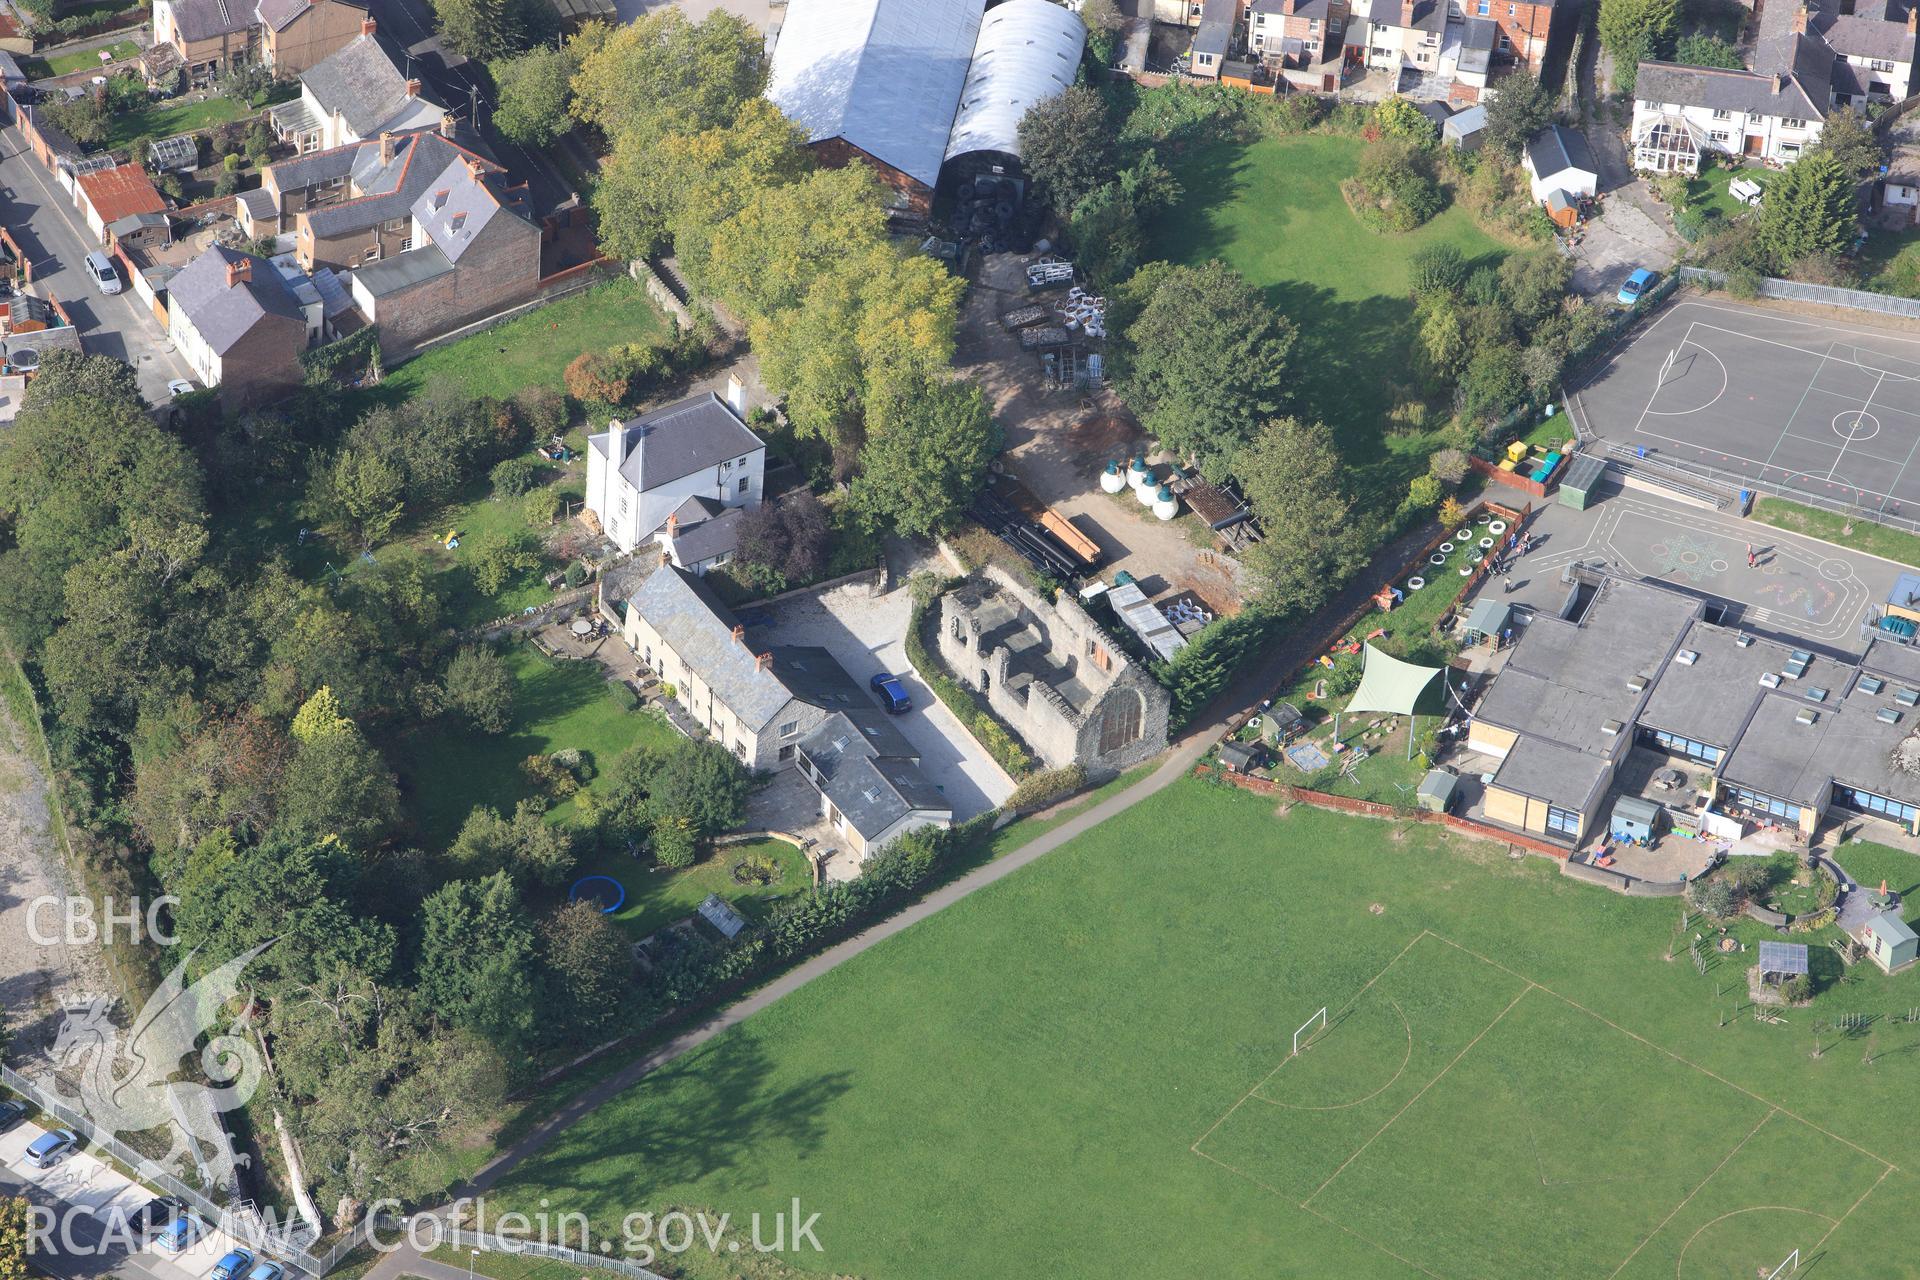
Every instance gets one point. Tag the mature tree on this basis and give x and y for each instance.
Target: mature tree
(500, 556)
(1535, 284)
(663, 74)
(491, 29)
(527, 846)
(785, 542)
(195, 774)
(320, 717)
(481, 687)
(1850, 140)
(1522, 108)
(683, 186)
(86, 119)
(85, 463)
(534, 91)
(702, 783)
(1438, 270)
(477, 960)
(1068, 146)
(766, 257)
(587, 959)
(1708, 51)
(1632, 31)
(1310, 544)
(921, 469)
(1495, 382)
(277, 891)
(1205, 362)
(1108, 241)
(13, 1238)
(361, 493)
(338, 786)
(1810, 209)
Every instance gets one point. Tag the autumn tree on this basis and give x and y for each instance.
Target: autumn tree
(662, 74)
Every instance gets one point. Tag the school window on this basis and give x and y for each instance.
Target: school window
(1759, 802)
(1674, 744)
(1563, 821)
(1867, 802)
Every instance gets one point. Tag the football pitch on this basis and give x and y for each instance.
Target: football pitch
(1450, 1080)
(1086, 1071)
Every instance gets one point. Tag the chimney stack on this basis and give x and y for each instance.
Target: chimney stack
(1779, 84)
(413, 88)
(616, 446)
(761, 661)
(475, 169)
(239, 272)
(386, 148)
(446, 124)
(368, 26)
(1913, 20)
(739, 633)
(1800, 19)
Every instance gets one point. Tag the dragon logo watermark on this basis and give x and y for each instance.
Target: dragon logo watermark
(127, 1078)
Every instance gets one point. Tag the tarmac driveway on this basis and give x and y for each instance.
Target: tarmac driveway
(867, 634)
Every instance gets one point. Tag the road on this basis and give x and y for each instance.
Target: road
(411, 23)
(56, 242)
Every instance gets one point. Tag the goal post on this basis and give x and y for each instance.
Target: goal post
(1666, 367)
(1786, 1268)
(1319, 1020)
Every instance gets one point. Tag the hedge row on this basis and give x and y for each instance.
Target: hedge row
(961, 701)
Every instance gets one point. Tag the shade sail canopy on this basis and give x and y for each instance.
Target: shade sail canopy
(1390, 684)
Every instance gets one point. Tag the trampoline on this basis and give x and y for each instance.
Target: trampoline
(1306, 757)
(603, 891)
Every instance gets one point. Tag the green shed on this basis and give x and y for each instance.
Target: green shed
(1890, 941)
(1583, 476)
(1437, 790)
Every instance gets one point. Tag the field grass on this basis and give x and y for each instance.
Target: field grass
(449, 770)
(535, 347)
(1085, 1066)
(60, 64)
(657, 897)
(1273, 211)
(1858, 534)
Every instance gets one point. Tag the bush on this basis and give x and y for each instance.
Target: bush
(516, 476)
(1438, 269)
(1047, 786)
(541, 410)
(1423, 494)
(1448, 466)
(674, 843)
(592, 378)
(542, 506)
(226, 183)
(1715, 896)
(549, 777)
(1394, 188)
(1798, 989)
(576, 575)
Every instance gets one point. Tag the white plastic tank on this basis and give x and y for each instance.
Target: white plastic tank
(1111, 480)
(1139, 473)
(1165, 505)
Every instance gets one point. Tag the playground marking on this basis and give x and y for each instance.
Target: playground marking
(1342, 1106)
(1688, 1198)
(1681, 1261)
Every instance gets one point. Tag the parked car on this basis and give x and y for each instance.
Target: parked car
(267, 1271)
(49, 1149)
(1636, 285)
(12, 1112)
(105, 278)
(177, 387)
(893, 695)
(155, 1215)
(232, 1266)
(178, 1236)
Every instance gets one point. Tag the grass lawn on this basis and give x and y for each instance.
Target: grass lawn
(1087, 1065)
(1889, 262)
(1710, 191)
(1273, 211)
(177, 115)
(448, 770)
(535, 347)
(657, 897)
(1863, 535)
(61, 64)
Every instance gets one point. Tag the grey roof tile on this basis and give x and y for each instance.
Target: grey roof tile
(678, 440)
(223, 313)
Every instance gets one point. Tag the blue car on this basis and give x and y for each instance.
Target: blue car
(267, 1271)
(892, 694)
(232, 1266)
(49, 1149)
(1635, 286)
(178, 1236)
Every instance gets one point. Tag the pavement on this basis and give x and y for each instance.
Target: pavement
(48, 228)
(867, 634)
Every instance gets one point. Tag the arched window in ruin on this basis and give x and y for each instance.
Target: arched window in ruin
(1121, 720)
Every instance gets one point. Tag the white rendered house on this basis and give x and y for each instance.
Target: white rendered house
(645, 469)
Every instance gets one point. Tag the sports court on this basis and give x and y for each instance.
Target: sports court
(1470, 1121)
(1825, 408)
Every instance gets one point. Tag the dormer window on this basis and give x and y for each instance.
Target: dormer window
(459, 221)
(440, 198)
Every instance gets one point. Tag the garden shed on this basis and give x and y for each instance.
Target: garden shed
(1238, 757)
(1583, 476)
(1487, 619)
(1437, 791)
(1465, 130)
(1780, 961)
(1635, 819)
(1890, 941)
(1281, 723)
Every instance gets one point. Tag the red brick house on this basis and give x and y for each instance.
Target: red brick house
(1524, 26)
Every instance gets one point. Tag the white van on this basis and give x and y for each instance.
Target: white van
(105, 278)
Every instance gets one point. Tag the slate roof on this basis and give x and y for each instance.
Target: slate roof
(387, 189)
(870, 771)
(365, 82)
(705, 530)
(1215, 29)
(1749, 92)
(886, 75)
(459, 203)
(210, 19)
(401, 271)
(678, 440)
(298, 172)
(222, 314)
(278, 13)
(1556, 149)
(1864, 36)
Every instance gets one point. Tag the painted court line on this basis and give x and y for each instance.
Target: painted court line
(1423, 1088)
(1884, 1174)
(1688, 1199)
(1375, 1243)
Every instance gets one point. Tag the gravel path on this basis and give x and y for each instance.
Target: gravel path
(34, 979)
